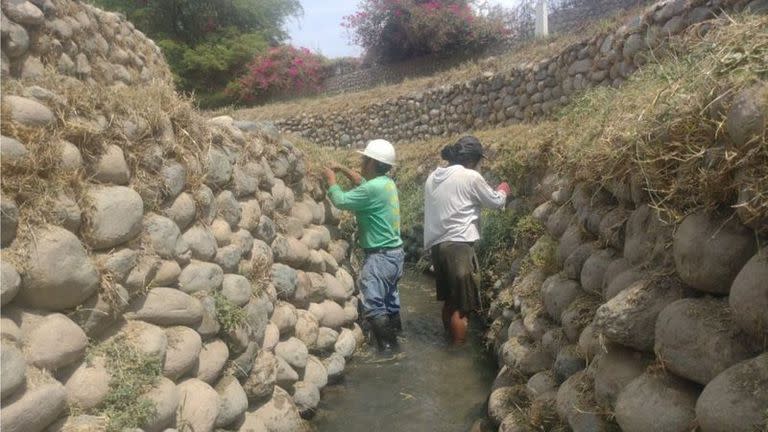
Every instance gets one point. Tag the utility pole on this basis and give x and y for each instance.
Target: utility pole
(542, 26)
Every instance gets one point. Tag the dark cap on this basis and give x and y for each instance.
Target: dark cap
(469, 147)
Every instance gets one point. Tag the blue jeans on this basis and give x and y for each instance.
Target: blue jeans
(378, 282)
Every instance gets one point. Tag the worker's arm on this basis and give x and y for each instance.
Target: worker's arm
(356, 199)
(353, 176)
(486, 196)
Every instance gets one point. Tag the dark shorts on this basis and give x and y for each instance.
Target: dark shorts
(457, 275)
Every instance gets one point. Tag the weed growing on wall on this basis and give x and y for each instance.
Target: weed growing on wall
(259, 274)
(506, 236)
(229, 315)
(542, 256)
(494, 249)
(133, 375)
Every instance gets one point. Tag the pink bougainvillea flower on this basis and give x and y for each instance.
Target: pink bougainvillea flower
(284, 69)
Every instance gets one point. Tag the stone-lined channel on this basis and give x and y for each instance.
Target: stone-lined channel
(430, 385)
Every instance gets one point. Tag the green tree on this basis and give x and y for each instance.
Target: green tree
(208, 42)
(395, 30)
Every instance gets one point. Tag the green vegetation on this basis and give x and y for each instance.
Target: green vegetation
(493, 249)
(207, 43)
(528, 230)
(133, 374)
(229, 315)
(391, 31)
(542, 256)
(208, 67)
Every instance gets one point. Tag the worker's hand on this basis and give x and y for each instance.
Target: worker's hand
(504, 187)
(329, 176)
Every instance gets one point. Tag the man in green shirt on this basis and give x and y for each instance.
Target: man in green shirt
(377, 210)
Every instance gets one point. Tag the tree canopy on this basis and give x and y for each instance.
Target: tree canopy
(394, 30)
(208, 42)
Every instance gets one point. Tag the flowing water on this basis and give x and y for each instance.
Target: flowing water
(429, 386)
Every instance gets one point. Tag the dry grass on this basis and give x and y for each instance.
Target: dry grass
(528, 288)
(584, 309)
(92, 117)
(259, 273)
(151, 124)
(658, 126)
(527, 53)
(542, 416)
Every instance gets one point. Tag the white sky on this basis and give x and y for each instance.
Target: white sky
(320, 27)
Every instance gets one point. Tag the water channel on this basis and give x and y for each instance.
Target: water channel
(429, 386)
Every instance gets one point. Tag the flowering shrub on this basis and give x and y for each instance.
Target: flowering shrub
(392, 30)
(283, 69)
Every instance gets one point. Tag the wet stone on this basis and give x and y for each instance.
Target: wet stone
(709, 252)
(697, 339)
(656, 402)
(735, 400)
(568, 362)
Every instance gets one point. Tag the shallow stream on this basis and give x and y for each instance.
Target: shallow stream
(429, 386)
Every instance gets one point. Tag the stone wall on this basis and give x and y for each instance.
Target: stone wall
(368, 77)
(77, 40)
(662, 324)
(600, 326)
(574, 15)
(518, 95)
(140, 239)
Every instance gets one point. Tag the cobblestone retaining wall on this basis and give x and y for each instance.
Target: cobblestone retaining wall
(196, 248)
(619, 312)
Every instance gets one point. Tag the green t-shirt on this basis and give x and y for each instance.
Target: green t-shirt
(377, 209)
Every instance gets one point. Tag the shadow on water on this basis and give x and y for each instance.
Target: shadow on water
(429, 386)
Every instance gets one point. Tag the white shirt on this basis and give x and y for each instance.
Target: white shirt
(453, 197)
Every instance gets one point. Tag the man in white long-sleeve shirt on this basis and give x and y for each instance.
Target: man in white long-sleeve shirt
(453, 198)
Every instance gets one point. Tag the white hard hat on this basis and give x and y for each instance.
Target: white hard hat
(380, 150)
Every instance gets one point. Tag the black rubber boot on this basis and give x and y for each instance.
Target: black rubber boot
(383, 333)
(396, 323)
